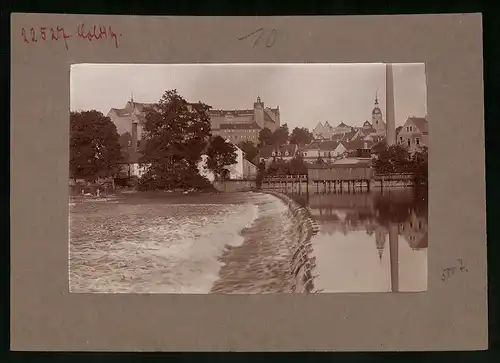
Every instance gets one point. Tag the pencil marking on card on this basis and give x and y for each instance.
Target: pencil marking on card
(448, 272)
(92, 33)
(268, 35)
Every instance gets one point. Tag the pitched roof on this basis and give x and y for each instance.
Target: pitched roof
(329, 145)
(357, 144)
(342, 124)
(344, 135)
(267, 118)
(268, 150)
(367, 123)
(246, 126)
(421, 123)
(121, 112)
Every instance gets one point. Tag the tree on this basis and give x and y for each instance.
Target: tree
(265, 137)
(391, 159)
(250, 150)
(175, 134)
(94, 146)
(280, 135)
(298, 166)
(261, 172)
(419, 166)
(301, 136)
(221, 154)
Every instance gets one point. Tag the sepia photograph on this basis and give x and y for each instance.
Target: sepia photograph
(248, 178)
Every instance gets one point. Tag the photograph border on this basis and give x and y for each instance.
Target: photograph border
(451, 315)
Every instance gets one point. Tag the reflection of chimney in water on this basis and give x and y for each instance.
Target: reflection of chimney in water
(133, 149)
(394, 256)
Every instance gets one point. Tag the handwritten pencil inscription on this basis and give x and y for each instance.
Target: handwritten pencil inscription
(270, 37)
(450, 271)
(91, 33)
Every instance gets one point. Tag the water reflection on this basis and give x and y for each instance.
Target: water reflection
(370, 242)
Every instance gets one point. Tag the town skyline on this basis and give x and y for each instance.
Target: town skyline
(349, 89)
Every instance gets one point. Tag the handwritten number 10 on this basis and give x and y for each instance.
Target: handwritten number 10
(270, 39)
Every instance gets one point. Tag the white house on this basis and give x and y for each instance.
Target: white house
(242, 169)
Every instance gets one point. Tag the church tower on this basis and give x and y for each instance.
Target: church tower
(377, 119)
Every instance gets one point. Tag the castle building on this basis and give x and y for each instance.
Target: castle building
(233, 125)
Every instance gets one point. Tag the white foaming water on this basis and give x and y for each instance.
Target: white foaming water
(152, 248)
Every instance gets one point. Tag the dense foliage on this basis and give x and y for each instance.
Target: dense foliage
(249, 149)
(301, 136)
(396, 159)
(280, 136)
(94, 146)
(295, 166)
(221, 154)
(175, 134)
(265, 137)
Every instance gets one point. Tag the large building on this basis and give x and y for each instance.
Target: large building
(244, 125)
(233, 125)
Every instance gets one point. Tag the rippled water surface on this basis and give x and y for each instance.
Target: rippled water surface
(159, 245)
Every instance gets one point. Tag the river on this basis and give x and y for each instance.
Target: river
(244, 242)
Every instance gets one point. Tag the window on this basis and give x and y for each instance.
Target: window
(409, 142)
(418, 141)
(411, 128)
(401, 139)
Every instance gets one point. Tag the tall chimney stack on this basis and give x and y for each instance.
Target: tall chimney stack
(389, 101)
(133, 147)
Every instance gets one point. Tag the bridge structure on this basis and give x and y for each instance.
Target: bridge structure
(336, 178)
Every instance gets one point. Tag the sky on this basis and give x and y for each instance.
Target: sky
(305, 93)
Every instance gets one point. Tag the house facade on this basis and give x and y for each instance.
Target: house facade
(328, 150)
(281, 153)
(414, 134)
(242, 169)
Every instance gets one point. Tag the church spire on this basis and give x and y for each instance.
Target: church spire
(376, 98)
